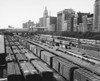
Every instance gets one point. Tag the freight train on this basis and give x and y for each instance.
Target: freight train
(85, 52)
(23, 65)
(70, 67)
(88, 44)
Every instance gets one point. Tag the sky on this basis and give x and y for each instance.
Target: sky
(16, 12)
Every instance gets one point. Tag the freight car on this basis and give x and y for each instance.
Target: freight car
(15, 51)
(29, 72)
(6, 42)
(14, 47)
(20, 57)
(13, 72)
(45, 72)
(11, 43)
(47, 57)
(64, 67)
(30, 56)
(10, 58)
(8, 50)
(38, 51)
(24, 50)
(21, 47)
(84, 75)
(17, 43)
(32, 48)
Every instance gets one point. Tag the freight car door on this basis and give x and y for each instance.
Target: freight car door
(55, 64)
(66, 72)
(77, 76)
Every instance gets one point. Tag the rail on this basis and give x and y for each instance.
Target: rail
(78, 61)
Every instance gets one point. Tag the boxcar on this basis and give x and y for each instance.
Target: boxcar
(33, 48)
(64, 67)
(29, 72)
(17, 43)
(21, 57)
(19, 40)
(84, 75)
(45, 72)
(13, 72)
(16, 51)
(24, 43)
(10, 58)
(47, 57)
(8, 50)
(24, 50)
(21, 47)
(6, 42)
(12, 43)
(30, 56)
(38, 51)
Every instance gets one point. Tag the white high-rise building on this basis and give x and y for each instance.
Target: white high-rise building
(96, 20)
(64, 20)
(45, 15)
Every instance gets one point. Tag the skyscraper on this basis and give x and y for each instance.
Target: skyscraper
(45, 15)
(96, 20)
(43, 20)
(65, 20)
(51, 23)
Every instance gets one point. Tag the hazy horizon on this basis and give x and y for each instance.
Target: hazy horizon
(16, 12)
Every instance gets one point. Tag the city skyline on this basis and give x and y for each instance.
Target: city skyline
(16, 12)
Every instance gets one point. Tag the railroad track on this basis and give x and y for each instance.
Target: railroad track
(62, 59)
(23, 65)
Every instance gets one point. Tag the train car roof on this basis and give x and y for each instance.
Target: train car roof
(48, 53)
(2, 47)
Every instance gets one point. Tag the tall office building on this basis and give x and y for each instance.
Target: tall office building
(90, 23)
(75, 23)
(43, 20)
(45, 15)
(83, 22)
(65, 20)
(51, 23)
(96, 19)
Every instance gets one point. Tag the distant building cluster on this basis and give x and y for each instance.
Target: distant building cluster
(28, 24)
(68, 20)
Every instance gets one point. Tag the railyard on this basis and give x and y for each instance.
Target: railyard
(34, 58)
